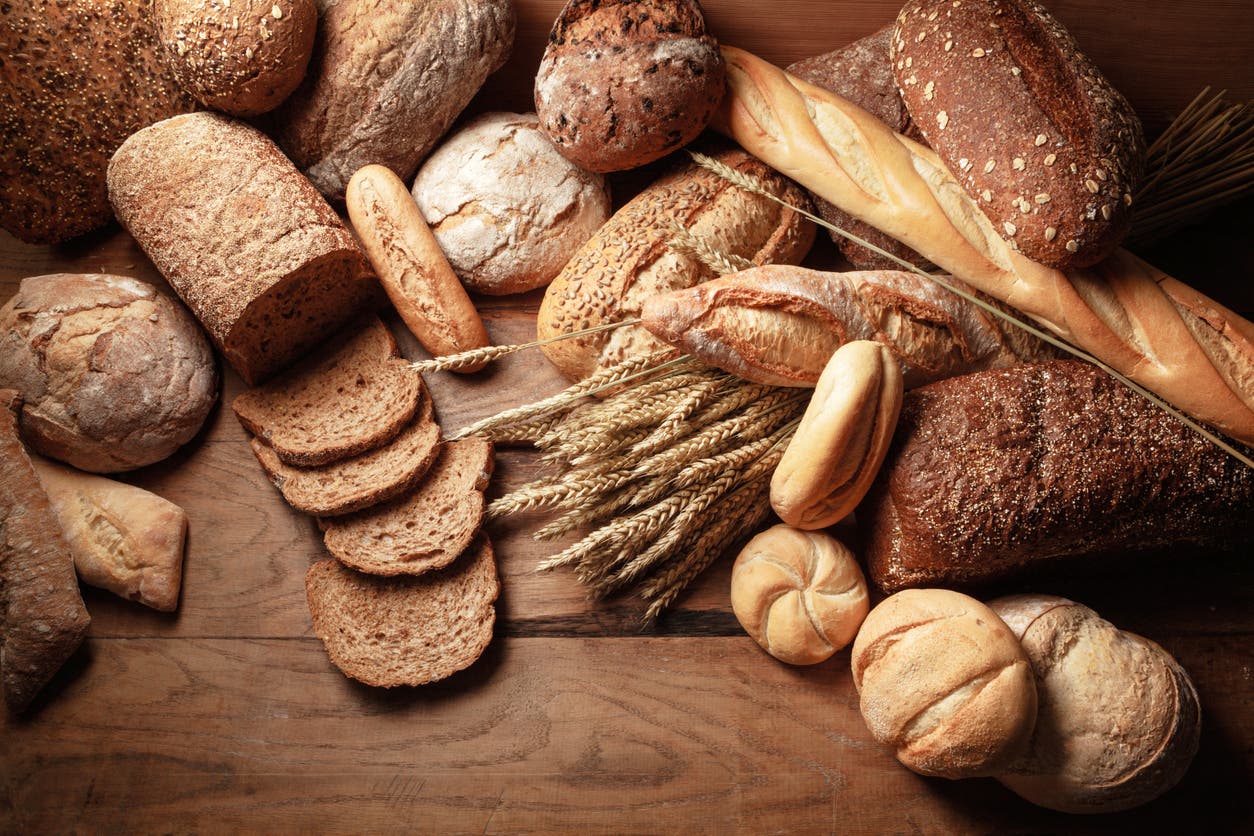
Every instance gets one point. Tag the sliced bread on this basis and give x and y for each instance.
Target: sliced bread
(424, 530)
(359, 481)
(405, 631)
(353, 396)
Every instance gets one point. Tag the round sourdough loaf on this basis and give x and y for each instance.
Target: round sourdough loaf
(1027, 124)
(625, 82)
(113, 374)
(241, 57)
(506, 207)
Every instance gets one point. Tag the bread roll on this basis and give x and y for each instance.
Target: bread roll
(256, 253)
(944, 682)
(1119, 719)
(799, 594)
(507, 209)
(114, 375)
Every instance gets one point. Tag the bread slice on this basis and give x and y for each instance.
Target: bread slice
(353, 396)
(424, 530)
(42, 617)
(359, 481)
(405, 631)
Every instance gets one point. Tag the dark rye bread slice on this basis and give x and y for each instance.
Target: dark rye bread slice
(359, 481)
(405, 631)
(42, 617)
(354, 395)
(424, 530)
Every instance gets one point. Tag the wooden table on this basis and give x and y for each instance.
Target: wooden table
(227, 715)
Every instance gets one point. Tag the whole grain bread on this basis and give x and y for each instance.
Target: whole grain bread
(410, 630)
(354, 395)
(424, 530)
(42, 617)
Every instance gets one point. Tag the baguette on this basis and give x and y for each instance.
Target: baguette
(1162, 334)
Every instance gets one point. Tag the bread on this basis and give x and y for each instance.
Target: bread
(43, 620)
(354, 395)
(1119, 719)
(943, 681)
(625, 82)
(360, 481)
(780, 324)
(1058, 181)
(256, 253)
(122, 538)
(842, 439)
(79, 77)
(424, 530)
(1172, 340)
(1071, 463)
(629, 259)
(799, 594)
(114, 375)
(405, 631)
(414, 272)
(241, 57)
(504, 231)
(387, 79)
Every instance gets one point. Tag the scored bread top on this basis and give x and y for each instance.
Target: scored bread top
(409, 630)
(424, 530)
(354, 395)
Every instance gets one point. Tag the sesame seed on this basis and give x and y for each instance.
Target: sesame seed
(1127, 199)
(1073, 246)
(921, 36)
(1050, 233)
(909, 60)
(248, 54)
(1091, 186)
(964, 164)
(989, 166)
(1050, 159)
(1017, 164)
(987, 195)
(1041, 139)
(977, 53)
(1010, 228)
(949, 45)
(1043, 197)
(1101, 174)
(929, 90)
(277, 12)
(942, 119)
(1015, 71)
(911, 81)
(1106, 212)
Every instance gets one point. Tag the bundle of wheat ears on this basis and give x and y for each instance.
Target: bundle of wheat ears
(672, 466)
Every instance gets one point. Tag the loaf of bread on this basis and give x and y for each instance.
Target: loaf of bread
(43, 620)
(1179, 344)
(79, 77)
(780, 324)
(387, 79)
(114, 375)
(1071, 463)
(256, 253)
(629, 259)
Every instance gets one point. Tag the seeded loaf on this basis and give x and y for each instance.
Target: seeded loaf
(354, 395)
(256, 253)
(630, 259)
(122, 538)
(78, 77)
(387, 632)
(387, 79)
(42, 617)
(360, 481)
(424, 530)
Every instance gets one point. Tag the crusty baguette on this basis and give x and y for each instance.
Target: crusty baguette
(779, 324)
(1159, 332)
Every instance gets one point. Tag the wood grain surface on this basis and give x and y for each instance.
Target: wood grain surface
(227, 715)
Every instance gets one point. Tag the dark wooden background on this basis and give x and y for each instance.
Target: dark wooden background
(227, 715)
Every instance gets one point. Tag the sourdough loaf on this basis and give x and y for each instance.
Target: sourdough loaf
(1070, 463)
(256, 253)
(386, 81)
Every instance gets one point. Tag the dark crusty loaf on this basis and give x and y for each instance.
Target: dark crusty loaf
(77, 77)
(424, 530)
(387, 79)
(405, 631)
(1000, 470)
(256, 253)
(355, 395)
(1057, 181)
(42, 617)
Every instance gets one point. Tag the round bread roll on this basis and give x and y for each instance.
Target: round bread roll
(624, 83)
(242, 57)
(1119, 720)
(799, 594)
(113, 374)
(507, 209)
(944, 682)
